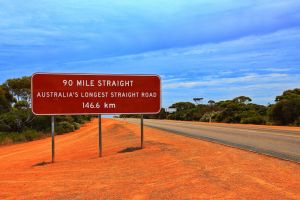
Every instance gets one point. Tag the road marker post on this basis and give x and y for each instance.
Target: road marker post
(100, 135)
(53, 134)
(142, 131)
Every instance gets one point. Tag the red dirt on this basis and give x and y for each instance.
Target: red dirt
(169, 167)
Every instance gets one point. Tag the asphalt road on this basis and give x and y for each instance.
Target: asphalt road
(284, 144)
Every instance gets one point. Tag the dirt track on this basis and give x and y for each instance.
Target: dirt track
(170, 167)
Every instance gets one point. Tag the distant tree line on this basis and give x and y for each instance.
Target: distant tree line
(285, 111)
(18, 123)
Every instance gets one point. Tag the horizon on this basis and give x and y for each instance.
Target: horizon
(215, 50)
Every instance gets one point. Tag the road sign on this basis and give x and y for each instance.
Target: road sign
(71, 94)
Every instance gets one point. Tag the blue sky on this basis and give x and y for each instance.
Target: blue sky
(212, 49)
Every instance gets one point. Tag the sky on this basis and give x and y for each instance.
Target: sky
(211, 49)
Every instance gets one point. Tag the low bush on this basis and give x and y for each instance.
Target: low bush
(40, 128)
(297, 122)
(31, 135)
(15, 137)
(64, 127)
(253, 120)
(41, 123)
(76, 125)
(4, 139)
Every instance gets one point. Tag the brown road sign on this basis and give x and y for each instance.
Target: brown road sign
(71, 94)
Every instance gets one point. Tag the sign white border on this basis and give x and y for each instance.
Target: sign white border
(86, 74)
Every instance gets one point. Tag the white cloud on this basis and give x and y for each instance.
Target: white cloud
(218, 81)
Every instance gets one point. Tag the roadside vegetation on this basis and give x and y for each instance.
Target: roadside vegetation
(19, 124)
(285, 111)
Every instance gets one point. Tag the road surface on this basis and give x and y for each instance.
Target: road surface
(282, 143)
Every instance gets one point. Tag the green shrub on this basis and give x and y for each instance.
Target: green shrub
(253, 120)
(5, 140)
(15, 137)
(76, 125)
(79, 119)
(297, 122)
(209, 115)
(64, 118)
(41, 123)
(31, 135)
(64, 127)
(15, 120)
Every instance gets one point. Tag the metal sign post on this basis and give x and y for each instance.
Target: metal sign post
(142, 131)
(100, 136)
(52, 134)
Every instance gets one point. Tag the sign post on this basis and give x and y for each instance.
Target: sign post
(85, 94)
(52, 135)
(142, 131)
(100, 136)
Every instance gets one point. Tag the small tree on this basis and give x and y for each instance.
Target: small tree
(211, 104)
(287, 108)
(20, 88)
(6, 99)
(197, 100)
(182, 106)
(242, 99)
